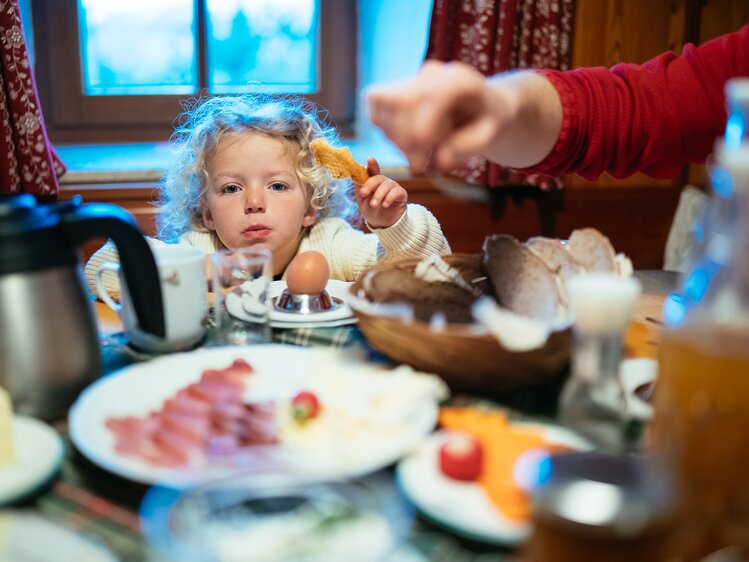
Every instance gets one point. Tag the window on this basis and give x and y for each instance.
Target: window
(118, 70)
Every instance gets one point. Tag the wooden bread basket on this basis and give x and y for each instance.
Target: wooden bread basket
(468, 362)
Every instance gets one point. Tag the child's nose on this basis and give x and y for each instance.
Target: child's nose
(255, 201)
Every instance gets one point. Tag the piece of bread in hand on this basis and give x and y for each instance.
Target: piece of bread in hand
(522, 282)
(339, 161)
(592, 250)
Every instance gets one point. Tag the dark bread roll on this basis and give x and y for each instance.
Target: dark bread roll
(398, 284)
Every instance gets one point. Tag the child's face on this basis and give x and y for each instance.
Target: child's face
(254, 196)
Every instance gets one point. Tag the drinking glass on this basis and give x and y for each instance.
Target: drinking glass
(595, 506)
(269, 517)
(240, 287)
(701, 399)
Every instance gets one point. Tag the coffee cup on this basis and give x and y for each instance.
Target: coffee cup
(185, 299)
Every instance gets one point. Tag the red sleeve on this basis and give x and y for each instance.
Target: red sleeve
(650, 118)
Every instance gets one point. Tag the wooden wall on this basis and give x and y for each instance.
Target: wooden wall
(635, 213)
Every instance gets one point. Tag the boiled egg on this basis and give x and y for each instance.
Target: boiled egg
(307, 274)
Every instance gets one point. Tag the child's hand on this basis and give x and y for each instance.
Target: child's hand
(381, 200)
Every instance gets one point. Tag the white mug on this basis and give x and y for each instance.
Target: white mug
(184, 292)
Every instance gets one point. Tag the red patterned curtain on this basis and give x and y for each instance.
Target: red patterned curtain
(28, 162)
(499, 35)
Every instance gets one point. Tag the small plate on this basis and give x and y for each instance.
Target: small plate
(39, 453)
(339, 316)
(30, 537)
(463, 507)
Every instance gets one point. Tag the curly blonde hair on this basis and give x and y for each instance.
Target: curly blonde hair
(202, 127)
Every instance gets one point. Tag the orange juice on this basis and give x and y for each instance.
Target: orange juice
(701, 431)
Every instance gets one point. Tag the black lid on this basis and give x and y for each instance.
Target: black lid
(35, 237)
(32, 236)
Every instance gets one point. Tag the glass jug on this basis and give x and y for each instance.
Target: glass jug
(701, 425)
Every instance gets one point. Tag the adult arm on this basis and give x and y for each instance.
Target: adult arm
(652, 118)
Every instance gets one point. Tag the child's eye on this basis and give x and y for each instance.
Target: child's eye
(277, 186)
(231, 188)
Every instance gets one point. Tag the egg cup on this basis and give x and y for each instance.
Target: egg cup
(306, 304)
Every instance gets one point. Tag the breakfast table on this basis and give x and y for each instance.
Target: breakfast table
(105, 507)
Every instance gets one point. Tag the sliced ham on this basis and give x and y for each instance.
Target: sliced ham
(176, 444)
(205, 419)
(214, 391)
(195, 428)
(185, 403)
(222, 444)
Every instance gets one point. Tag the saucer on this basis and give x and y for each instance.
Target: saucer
(39, 453)
(31, 537)
(240, 303)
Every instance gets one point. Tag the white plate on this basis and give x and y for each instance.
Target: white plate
(463, 507)
(332, 446)
(30, 537)
(340, 316)
(39, 453)
(634, 373)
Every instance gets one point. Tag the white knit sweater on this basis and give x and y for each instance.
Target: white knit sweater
(349, 251)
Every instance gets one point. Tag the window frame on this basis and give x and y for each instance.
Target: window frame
(72, 117)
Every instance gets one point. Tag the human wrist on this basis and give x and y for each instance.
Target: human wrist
(528, 109)
(396, 235)
(504, 96)
(379, 226)
(398, 221)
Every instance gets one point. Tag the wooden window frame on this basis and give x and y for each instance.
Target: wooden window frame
(72, 117)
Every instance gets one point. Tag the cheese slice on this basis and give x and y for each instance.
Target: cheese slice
(7, 452)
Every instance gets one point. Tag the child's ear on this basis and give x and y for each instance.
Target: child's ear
(207, 216)
(310, 216)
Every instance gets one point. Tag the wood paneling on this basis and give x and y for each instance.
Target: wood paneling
(137, 198)
(611, 31)
(722, 16)
(637, 219)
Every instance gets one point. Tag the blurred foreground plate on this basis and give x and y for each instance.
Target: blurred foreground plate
(464, 508)
(32, 538)
(371, 416)
(39, 453)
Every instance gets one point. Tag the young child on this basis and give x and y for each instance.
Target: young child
(244, 174)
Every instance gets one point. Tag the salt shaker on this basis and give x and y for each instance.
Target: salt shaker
(592, 401)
